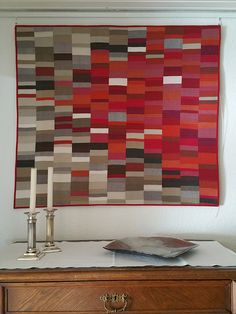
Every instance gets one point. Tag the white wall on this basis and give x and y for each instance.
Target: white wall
(114, 221)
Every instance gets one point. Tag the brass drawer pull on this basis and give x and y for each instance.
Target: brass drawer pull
(115, 302)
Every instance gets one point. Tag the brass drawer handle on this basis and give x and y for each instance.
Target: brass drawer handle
(115, 302)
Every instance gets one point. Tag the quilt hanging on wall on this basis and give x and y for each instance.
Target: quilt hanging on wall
(124, 114)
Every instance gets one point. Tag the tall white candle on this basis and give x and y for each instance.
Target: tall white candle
(33, 184)
(50, 188)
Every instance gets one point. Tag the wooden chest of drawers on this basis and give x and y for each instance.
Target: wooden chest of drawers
(144, 290)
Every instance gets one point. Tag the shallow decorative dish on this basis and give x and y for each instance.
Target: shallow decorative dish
(160, 246)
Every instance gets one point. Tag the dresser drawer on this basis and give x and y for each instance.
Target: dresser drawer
(211, 296)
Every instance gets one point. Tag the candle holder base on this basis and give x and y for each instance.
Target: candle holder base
(51, 249)
(31, 256)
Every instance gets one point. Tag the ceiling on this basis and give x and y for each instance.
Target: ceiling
(129, 5)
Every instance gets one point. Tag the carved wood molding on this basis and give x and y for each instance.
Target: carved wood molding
(1, 300)
(233, 297)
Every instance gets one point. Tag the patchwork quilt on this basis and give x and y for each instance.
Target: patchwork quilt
(124, 114)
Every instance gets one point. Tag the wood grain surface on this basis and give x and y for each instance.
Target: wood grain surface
(124, 273)
(143, 296)
(2, 295)
(150, 290)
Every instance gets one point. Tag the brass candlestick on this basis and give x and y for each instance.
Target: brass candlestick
(32, 253)
(49, 246)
